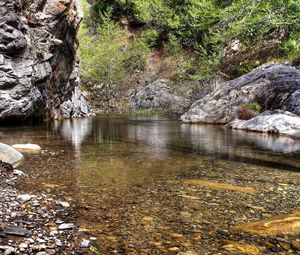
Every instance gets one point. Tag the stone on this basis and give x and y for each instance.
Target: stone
(9, 250)
(219, 186)
(18, 172)
(275, 122)
(296, 244)
(29, 148)
(63, 204)
(148, 218)
(176, 235)
(65, 226)
(174, 249)
(85, 243)
(273, 86)
(242, 247)
(76, 107)
(38, 57)
(288, 224)
(158, 96)
(16, 231)
(24, 197)
(10, 155)
(23, 245)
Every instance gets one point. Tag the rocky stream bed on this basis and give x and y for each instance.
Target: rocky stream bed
(200, 205)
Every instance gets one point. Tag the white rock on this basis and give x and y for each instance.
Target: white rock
(276, 122)
(29, 148)
(23, 245)
(66, 226)
(18, 172)
(85, 243)
(63, 203)
(10, 155)
(24, 197)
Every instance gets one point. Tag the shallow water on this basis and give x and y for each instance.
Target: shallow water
(126, 174)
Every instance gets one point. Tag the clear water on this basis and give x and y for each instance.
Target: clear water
(126, 172)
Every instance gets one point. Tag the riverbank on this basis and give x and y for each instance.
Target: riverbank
(34, 223)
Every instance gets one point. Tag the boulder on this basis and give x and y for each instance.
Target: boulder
(158, 96)
(38, 63)
(276, 122)
(76, 107)
(29, 148)
(274, 86)
(10, 155)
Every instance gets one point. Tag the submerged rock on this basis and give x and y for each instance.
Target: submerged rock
(277, 122)
(31, 148)
(241, 247)
(275, 86)
(158, 96)
(219, 186)
(10, 155)
(281, 225)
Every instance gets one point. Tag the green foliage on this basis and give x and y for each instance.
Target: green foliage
(107, 56)
(196, 37)
(101, 53)
(147, 112)
(151, 38)
(173, 46)
(254, 106)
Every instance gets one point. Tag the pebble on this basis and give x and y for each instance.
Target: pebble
(85, 243)
(24, 197)
(65, 226)
(18, 172)
(63, 204)
(174, 249)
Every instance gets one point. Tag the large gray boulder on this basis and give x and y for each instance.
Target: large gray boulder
(276, 122)
(10, 155)
(37, 56)
(76, 107)
(158, 95)
(275, 86)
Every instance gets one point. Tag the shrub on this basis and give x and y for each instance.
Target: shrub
(249, 110)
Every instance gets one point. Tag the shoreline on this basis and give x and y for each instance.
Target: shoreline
(34, 223)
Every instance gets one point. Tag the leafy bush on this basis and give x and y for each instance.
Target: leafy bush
(249, 110)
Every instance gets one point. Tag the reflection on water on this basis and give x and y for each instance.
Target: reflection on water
(75, 130)
(126, 172)
(162, 134)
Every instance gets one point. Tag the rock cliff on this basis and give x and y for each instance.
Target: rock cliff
(38, 64)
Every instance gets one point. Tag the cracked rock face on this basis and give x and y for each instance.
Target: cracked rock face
(37, 56)
(275, 86)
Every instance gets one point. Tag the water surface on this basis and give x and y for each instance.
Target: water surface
(126, 174)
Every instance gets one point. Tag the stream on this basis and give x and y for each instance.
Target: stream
(150, 185)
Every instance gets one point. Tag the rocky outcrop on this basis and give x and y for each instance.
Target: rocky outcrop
(76, 107)
(275, 86)
(37, 56)
(276, 122)
(158, 96)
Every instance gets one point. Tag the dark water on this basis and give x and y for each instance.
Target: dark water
(124, 172)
